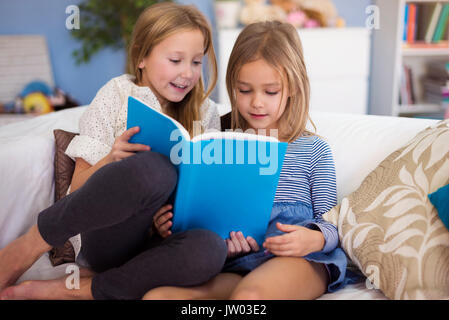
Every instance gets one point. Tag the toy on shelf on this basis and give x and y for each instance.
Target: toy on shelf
(36, 103)
(38, 98)
(257, 10)
(310, 13)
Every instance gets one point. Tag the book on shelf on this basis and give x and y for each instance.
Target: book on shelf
(404, 36)
(442, 24)
(435, 83)
(436, 10)
(226, 180)
(411, 23)
(407, 92)
(425, 25)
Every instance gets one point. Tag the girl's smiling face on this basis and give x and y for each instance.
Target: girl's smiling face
(173, 67)
(261, 96)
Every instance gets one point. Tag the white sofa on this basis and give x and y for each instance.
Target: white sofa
(359, 143)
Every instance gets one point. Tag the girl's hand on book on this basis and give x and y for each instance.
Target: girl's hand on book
(122, 148)
(162, 220)
(296, 242)
(239, 245)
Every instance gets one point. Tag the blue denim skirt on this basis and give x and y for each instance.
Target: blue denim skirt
(300, 214)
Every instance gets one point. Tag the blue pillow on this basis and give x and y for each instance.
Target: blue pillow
(440, 199)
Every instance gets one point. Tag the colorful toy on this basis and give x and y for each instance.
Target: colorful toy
(37, 97)
(37, 102)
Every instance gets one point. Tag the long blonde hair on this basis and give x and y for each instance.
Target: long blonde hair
(279, 45)
(157, 23)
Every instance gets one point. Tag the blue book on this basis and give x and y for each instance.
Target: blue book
(226, 180)
(404, 36)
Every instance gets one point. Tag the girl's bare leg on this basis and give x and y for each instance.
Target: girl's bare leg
(50, 289)
(20, 255)
(285, 278)
(219, 288)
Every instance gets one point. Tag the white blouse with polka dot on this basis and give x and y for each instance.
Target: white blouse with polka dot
(105, 118)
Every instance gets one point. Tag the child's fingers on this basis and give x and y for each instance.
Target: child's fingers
(243, 243)
(164, 227)
(281, 239)
(282, 253)
(163, 219)
(236, 242)
(129, 133)
(287, 227)
(252, 243)
(161, 211)
(166, 234)
(231, 248)
(277, 243)
(134, 147)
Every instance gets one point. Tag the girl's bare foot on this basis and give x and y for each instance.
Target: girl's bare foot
(48, 290)
(20, 255)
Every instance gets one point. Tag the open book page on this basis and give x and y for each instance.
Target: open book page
(233, 135)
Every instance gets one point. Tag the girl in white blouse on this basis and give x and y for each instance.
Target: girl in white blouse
(119, 189)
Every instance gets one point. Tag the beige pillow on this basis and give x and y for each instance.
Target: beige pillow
(389, 228)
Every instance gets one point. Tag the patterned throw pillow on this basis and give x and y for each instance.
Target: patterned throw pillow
(389, 228)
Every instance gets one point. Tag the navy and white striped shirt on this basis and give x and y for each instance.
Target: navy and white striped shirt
(308, 175)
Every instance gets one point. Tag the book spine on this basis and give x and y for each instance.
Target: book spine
(433, 22)
(403, 93)
(442, 22)
(405, 23)
(412, 87)
(411, 24)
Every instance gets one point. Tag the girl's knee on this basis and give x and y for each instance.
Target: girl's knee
(248, 293)
(210, 250)
(160, 293)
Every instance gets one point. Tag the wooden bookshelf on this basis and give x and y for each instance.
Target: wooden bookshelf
(391, 52)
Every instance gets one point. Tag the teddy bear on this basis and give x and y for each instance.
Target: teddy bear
(295, 15)
(257, 10)
(324, 11)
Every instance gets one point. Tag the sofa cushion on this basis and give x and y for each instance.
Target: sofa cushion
(389, 228)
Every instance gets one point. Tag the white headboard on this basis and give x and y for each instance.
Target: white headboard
(23, 58)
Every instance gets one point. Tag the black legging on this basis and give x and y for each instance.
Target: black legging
(114, 211)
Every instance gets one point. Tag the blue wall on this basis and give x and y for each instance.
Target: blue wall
(47, 17)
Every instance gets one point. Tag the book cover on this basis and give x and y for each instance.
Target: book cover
(442, 24)
(433, 22)
(226, 180)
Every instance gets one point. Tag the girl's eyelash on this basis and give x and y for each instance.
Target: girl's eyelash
(177, 61)
(271, 93)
